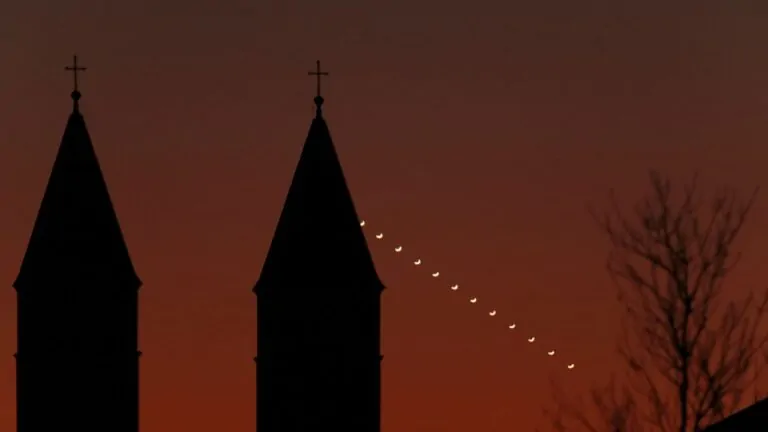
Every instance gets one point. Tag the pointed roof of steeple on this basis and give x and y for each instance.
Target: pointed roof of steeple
(76, 238)
(319, 237)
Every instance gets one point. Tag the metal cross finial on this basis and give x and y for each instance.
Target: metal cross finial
(74, 68)
(318, 74)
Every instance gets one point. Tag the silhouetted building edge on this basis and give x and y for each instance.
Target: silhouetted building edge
(319, 306)
(753, 418)
(77, 361)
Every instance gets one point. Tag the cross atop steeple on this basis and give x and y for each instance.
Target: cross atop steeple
(318, 73)
(75, 69)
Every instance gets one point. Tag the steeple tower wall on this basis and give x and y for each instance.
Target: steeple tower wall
(318, 309)
(77, 362)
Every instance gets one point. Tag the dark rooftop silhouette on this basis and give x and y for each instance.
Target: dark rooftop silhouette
(753, 418)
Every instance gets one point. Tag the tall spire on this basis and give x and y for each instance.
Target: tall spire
(319, 98)
(75, 92)
(318, 214)
(76, 234)
(77, 291)
(319, 305)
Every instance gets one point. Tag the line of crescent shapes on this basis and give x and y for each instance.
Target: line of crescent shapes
(473, 300)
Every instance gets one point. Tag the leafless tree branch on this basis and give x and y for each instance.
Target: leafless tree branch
(690, 353)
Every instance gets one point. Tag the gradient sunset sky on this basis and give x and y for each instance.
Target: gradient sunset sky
(474, 133)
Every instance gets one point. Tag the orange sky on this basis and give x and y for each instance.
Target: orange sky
(472, 133)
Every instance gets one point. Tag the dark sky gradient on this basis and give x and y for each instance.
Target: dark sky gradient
(472, 132)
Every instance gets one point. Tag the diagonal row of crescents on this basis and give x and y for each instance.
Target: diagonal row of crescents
(472, 300)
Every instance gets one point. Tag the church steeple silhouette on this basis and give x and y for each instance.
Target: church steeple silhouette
(318, 307)
(77, 363)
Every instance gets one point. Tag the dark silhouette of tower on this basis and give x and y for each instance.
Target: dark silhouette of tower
(77, 364)
(319, 359)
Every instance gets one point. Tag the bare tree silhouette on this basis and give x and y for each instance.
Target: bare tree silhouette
(690, 354)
